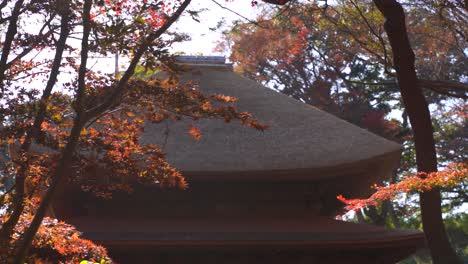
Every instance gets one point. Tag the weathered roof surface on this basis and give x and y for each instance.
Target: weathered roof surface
(317, 231)
(300, 137)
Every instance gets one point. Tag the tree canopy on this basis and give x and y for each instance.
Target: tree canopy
(352, 58)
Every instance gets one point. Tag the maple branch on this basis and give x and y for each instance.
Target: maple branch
(447, 93)
(438, 86)
(443, 87)
(8, 226)
(25, 76)
(10, 35)
(378, 36)
(276, 2)
(362, 43)
(54, 72)
(80, 93)
(27, 50)
(122, 84)
(7, 191)
(236, 13)
(94, 119)
(3, 4)
(64, 162)
(451, 176)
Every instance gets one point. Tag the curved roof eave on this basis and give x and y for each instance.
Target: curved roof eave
(313, 231)
(384, 163)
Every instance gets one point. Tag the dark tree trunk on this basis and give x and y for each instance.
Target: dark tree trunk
(7, 43)
(67, 155)
(419, 116)
(20, 193)
(6, 229)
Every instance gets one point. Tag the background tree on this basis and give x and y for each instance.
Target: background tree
(354, 32)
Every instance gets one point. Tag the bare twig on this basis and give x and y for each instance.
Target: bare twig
(235, 12)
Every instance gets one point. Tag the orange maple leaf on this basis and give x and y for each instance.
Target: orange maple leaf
(194, 132)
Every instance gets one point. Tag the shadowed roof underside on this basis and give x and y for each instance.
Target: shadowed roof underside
(300, 137)
(318, 231)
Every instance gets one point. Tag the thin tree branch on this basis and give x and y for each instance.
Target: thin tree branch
(122, 84)
(8, 226)
(235, 13)
(378, 36)
(8, 191)
(9, 37)
(31, 47)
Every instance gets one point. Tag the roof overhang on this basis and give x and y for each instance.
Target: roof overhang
(198, 233)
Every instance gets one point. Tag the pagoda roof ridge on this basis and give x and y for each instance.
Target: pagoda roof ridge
(200, 59)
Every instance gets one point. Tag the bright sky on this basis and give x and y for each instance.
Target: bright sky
(203, 40)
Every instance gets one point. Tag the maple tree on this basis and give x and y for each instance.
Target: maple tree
(61, 131)
(310, 45)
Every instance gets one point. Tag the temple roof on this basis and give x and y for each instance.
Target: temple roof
(300, 137)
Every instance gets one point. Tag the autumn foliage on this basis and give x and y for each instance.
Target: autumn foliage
(57, 241)
(451, 176)
(311, 60)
